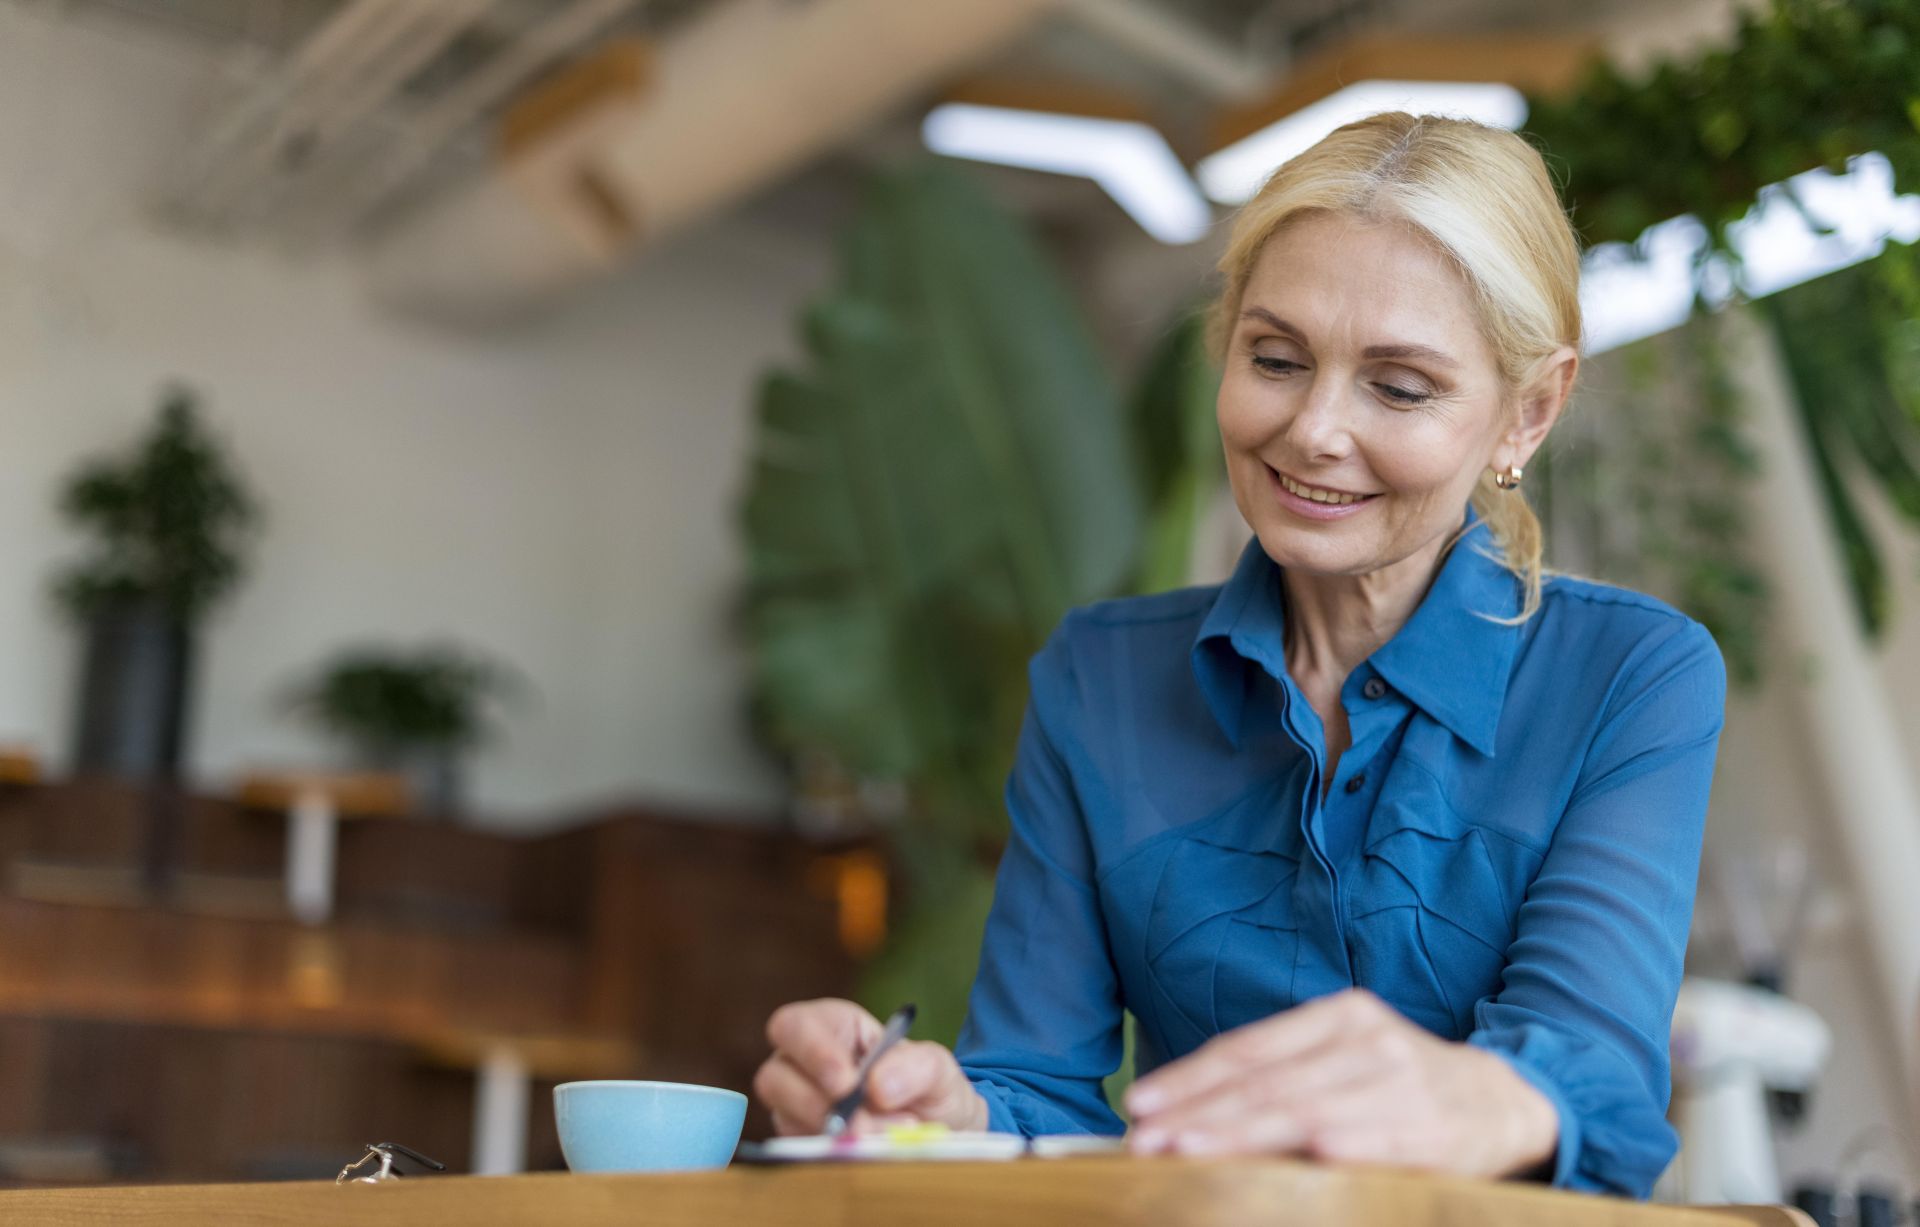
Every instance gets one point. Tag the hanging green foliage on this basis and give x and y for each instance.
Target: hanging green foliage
(1843, 337)
(1803, 84)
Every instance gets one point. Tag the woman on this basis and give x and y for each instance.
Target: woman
(1389, 842)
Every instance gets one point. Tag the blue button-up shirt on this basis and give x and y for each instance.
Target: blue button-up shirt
(1507, 854)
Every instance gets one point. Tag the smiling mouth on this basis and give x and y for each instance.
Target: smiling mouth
(1318, 494)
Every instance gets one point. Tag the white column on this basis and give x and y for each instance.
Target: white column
(312, 833)
(1849, 721)
(502, 1088)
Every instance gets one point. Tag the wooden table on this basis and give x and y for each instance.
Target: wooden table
(1053, 1193)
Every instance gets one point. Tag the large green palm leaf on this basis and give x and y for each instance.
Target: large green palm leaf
(945, 478)
(1173, 416)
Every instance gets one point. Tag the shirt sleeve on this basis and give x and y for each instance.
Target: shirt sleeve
(1043, 1023)
(1586, 1006)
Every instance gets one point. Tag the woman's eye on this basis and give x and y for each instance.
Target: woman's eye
(1404, 396)
(1279, 366)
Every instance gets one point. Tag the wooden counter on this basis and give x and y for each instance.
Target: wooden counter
(1050, 1193)
(206, 1036)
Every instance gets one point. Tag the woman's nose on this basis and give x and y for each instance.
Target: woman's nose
(1319, 428)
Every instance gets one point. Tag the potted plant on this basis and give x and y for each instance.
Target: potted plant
(414, 712)
(169, 520)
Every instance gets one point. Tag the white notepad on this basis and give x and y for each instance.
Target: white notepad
(1067, 1145)
(882, 1147)
(923, 1145)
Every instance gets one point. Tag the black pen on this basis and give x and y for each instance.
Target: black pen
(842, 1113)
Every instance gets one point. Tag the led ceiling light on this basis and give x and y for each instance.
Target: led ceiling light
(1130, 160)
(1232, 175)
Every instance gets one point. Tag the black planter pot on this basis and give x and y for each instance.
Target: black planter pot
(435, 775)
(135, 687)
(440, 780)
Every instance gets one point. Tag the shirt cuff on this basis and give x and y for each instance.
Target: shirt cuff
(1030, 1114)
(1566, 1153)
(999, 1115)
(1614, 1135)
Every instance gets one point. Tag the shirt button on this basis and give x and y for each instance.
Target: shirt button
(1358, 782)
(1374, 688)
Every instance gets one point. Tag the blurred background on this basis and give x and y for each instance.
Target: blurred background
(525, 519)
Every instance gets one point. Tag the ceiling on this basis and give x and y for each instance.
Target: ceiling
(330, 119)
(279, 26)
(404, 96)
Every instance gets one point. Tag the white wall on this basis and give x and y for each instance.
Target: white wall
(560, 493)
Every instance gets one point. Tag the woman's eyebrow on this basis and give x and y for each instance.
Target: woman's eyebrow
(1420, 352)
(1274, 322)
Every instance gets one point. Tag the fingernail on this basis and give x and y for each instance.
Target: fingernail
(1143, 1099)
(1146, 1141)
(1194, 1143)
(889, 1089)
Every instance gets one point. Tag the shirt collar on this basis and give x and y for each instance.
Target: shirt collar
(1451, 659)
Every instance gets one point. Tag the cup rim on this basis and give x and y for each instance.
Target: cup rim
(638, 1082)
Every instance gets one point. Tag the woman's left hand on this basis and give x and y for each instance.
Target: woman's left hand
(1346, 1078)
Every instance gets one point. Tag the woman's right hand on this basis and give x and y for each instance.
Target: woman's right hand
(818, 1045)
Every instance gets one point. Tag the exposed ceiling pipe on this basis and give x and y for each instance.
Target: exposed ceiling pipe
(325, 121)
(313, 128)
(1157, 34)
(255, 109)
(743, 94)
(371, 80)
(289, 120)
(426, 134)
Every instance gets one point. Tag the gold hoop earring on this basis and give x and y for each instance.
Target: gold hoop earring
(1509, 480)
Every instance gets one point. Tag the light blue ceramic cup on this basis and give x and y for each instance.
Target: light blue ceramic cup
(647, 1126)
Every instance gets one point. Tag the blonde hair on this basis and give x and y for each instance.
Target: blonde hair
(1484, 197)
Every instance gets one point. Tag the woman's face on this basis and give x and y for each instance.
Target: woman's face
(1357, 366)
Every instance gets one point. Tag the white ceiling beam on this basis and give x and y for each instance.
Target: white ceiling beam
(744, 94)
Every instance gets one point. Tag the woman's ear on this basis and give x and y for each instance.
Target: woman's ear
(1541, 402)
